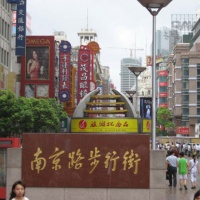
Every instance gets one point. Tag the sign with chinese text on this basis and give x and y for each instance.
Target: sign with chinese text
(64, 71)
(146, 125)
(21, 28)
(83, 71)
(101, 125)
(183, 130)
(86, 160)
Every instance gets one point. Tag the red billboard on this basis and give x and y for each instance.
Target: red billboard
(65, 69)
(163, 73)
(84, 66)
(163, 84)
(37, 72)
(183, 130)
(163, 94)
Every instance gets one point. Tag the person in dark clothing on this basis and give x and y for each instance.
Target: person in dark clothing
(172, 162)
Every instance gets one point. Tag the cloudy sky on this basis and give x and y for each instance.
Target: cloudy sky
(121, 25)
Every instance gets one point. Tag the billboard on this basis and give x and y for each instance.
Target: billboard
(182, 24)
(37, 74)
(21, 28)
(99, 125)
(65, 70)
(83, 72)
(146, 107)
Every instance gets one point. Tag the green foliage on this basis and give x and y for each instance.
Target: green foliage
(18, 115)
(164, 118)
(7, 100)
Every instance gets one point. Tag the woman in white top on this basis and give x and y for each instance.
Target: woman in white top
(194, 170)
(18, 191)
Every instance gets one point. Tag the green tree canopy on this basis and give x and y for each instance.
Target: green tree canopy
(164, 118)
(18, 115)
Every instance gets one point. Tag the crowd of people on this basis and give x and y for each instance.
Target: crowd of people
(189, 149)
(186, 168)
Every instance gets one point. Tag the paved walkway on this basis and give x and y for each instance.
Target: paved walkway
(175, 194)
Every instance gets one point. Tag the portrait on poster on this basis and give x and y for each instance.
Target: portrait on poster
(37, 63)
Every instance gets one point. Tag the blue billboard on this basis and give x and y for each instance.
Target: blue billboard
(21, 28)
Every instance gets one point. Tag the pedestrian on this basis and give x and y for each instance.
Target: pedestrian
(194, 170)
(18, 191)
(182, 171)
(176, 152)
(172, 163)
(197, 195)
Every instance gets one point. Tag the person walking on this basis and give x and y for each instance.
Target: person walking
(182, 171)
(172, 163)
(194, 170)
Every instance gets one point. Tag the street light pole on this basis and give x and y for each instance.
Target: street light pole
(137, 71)
(154, 6)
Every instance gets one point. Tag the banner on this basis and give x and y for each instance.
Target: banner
(83, 71)
(64, 71)
(21, 28)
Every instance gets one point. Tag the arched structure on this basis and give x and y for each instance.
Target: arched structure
(115, 104)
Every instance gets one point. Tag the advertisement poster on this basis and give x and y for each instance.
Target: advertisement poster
(146, 107)
(38, 66)
(37, 63)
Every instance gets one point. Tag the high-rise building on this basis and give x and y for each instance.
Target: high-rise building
(5, 45)
(184, 82)
(162, 41)
(128, 79)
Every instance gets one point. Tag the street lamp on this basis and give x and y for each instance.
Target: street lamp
(130, 94)
(154, 6)
(137, 71)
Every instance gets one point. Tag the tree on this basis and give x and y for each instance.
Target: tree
(7, 100)
(19, 115)
(164, 118)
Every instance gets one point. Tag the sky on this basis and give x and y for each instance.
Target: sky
(120, 25)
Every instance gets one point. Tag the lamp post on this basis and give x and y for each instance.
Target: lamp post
(137, 71)
(154, 6)
(130, 94)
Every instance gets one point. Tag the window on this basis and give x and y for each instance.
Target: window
(1, 55)
(163, 100)
(198, 111)
(185, 111)
(163, 78)
(185, 71)
(184, 85)
(198, 84)
(163, 89)
(185, 98)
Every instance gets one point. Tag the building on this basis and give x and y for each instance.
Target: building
(128, 79)
(184, 82)
(162, 75)
(163, 41)
(6, 76)
(182, 24)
